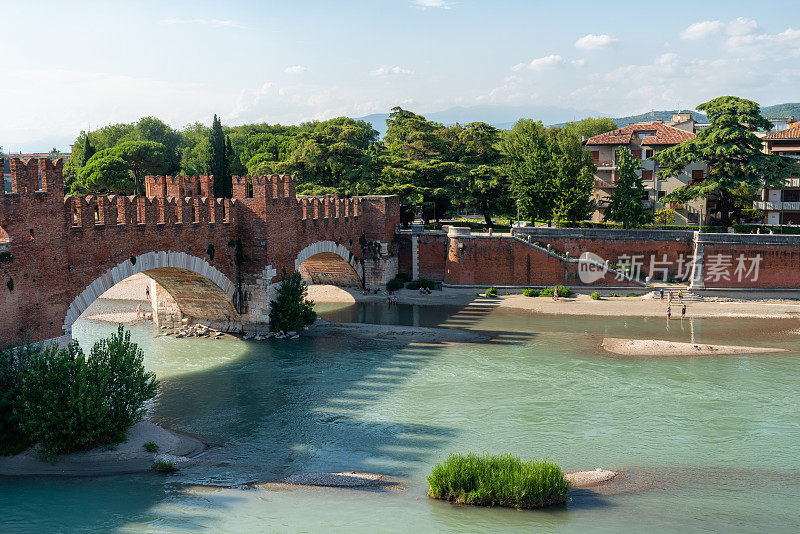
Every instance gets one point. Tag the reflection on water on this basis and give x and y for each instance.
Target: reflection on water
(728, 425)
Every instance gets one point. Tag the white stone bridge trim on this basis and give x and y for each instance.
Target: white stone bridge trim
(144, 262)
(329, 246)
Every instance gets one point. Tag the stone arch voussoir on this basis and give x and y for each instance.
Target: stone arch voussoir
(143, 262)
(330, 247)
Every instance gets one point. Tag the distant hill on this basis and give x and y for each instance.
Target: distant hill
(781, 111)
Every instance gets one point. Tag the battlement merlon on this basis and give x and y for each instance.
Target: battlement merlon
(264, 187)
(179, 186)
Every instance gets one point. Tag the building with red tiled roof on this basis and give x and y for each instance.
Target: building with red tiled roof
(645, 139)
(782, 206)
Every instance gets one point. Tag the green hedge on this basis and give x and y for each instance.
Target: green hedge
(398, 282)
(498, 480)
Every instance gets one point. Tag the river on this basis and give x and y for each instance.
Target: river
(714, 441)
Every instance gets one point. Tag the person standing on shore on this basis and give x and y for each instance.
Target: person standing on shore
(683, 312)
(147, 291)
(680, 295)
(138, 312)
(555, 293)
(669, 312)
(661, 292)
(670, 296)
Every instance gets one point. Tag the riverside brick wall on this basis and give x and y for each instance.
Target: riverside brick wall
(58, 251)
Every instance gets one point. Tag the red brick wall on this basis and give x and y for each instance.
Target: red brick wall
(779, 266)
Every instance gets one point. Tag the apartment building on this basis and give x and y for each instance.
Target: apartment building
(644, 140)
(782, 206)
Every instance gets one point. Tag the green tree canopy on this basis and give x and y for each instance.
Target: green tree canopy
(291, 310)
(551, 177)
(218, 161)
(732, 153)
(626, 204)
(590, 126)
(104, 174)
(143, 158)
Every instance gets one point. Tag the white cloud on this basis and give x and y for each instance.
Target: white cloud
(217, 23)
(541, 63)
(764, 46)
(742, 26)
(595, 42)
(385, 70)
(578, 62)
(700, 30)
(438, 4)
(295, 69)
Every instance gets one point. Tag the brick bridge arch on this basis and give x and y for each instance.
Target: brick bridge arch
(192, 284)
(328, 262)
(64, 251)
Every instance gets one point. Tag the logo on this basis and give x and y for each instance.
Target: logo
(591, 268)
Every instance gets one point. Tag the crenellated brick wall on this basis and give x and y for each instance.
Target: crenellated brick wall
(59, 253)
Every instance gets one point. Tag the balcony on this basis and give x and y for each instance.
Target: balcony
(776, 206)
(605, 165)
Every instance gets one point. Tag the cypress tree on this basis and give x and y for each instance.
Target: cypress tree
(88, 151)
(218, 161)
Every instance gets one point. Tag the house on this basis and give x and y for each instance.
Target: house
(782, 206)
(645, 139)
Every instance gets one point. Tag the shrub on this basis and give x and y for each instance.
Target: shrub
(151, 446)
(13, 362)
(613, 294)
(498, 480)
(422, 282)
(69, 401)
(548, 291)
(632, 295)
(291, 310)
(164, 466)
(398, 282)
(529, 292)
(491, 292)
(595, 296)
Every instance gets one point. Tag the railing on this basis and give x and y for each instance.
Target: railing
(776, 206)
(605, 164)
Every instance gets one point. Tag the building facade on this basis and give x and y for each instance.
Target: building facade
(644, 140)
(782, 206)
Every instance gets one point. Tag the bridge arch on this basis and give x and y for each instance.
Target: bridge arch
(176, 272)
(327, 262)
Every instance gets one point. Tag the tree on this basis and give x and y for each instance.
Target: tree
(104, 174)
(218, 161)
(143, 158)
(589, 127)
(626, 204)
(732, 153)
(531, 169)
(574, 180)
(482, 183)
(291, 310)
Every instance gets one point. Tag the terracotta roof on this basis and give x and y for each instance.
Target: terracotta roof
(792, 132)
(661, 135)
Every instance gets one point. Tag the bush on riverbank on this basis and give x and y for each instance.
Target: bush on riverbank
(398, 282)
(498, 480)
(12, 362)
(491, 292)
(548, 291)
(65, 400)
(291, 310)
(595, 296)
(422, 282)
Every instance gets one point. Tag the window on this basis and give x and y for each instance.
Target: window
(791, 195)
(696, 177)
(647, 175)
(648, 133)
(596, 156)
(637, 154)
(648, 153)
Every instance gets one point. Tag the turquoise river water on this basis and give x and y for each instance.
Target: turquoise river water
(713, 443)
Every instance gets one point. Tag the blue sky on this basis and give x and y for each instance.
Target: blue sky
(97, 63)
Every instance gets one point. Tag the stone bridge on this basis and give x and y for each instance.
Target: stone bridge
(211, 260)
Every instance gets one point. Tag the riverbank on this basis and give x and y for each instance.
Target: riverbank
(748, 304)
(123, 458)
(657, 347)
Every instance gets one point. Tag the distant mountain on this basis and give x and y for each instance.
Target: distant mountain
(781, 111)
(503, 117)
